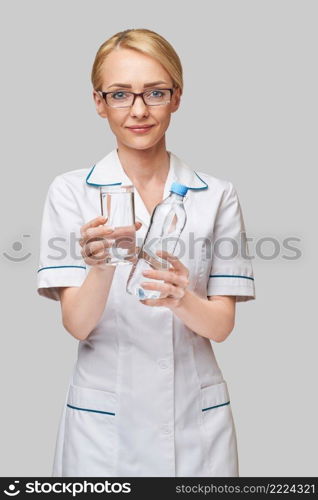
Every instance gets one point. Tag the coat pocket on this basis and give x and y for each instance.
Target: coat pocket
(90, 442)
(219, 430)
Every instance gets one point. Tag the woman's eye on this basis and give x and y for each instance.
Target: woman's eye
(157, 93)
(119, 94)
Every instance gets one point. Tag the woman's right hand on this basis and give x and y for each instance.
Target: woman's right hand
(96, 240)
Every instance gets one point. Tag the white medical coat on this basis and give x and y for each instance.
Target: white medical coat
(146, 396)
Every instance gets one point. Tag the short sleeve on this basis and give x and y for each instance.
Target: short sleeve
(231, 271)
(60, 263)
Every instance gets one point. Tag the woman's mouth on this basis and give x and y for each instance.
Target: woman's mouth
(140, 130)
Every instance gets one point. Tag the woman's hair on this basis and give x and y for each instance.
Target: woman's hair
(144, 41)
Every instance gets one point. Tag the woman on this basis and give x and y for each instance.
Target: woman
(146, 396)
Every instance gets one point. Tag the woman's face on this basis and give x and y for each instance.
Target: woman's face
(133, 68)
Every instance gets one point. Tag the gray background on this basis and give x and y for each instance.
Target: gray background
(254, 66)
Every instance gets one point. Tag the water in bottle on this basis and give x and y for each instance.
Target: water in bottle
(167, 221)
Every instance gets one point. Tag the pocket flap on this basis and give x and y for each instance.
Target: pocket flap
(214, 395)
(84, 398)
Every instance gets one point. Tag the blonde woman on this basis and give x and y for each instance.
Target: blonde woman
(146, 396)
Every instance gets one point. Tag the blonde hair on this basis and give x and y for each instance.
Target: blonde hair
(144, 41)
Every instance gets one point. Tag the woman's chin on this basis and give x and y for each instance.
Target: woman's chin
(141, 143)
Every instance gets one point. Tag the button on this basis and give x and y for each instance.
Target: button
(166, 429)
(163, 363)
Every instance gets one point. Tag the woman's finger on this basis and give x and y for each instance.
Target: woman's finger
(98, 232)
(159, 302)
(167, 276)
(94, 247)
(166, 289)
(95, 234)
(93, 223)
(172, 259)
(94, 261)
(103, 230)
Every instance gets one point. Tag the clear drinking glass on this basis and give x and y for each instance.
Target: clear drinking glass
(117, 203)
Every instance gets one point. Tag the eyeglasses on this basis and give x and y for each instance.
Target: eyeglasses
(123, 99)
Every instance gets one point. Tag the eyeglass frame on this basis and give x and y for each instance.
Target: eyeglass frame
(135, 94)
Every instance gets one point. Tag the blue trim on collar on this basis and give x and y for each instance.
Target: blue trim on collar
(119, 183)
(92, 184)
(204, 187)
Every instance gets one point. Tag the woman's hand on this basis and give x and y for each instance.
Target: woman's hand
(98, 237)
(176, 281)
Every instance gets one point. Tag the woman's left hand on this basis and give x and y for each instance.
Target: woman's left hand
(176, 281)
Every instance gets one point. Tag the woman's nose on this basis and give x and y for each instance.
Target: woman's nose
(139, 107)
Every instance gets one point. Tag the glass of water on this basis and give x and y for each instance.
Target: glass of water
(117, 203)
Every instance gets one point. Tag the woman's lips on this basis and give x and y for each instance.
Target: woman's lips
(140, 130)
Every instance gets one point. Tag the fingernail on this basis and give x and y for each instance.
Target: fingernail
(145, 273)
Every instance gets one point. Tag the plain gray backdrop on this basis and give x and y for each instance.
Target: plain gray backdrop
(248, 114)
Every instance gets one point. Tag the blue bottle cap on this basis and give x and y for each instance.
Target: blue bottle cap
(179, 188)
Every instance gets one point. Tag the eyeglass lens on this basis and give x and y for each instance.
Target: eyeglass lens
(155, 97)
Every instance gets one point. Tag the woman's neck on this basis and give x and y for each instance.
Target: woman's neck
(145, 167)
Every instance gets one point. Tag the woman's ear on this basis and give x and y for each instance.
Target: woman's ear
(176, 99)
(100, 104)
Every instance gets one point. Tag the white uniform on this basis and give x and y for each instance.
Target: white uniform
(146, 396)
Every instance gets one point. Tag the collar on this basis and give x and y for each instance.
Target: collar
(109, 172)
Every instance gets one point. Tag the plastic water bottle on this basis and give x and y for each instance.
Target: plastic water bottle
(167, 221)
